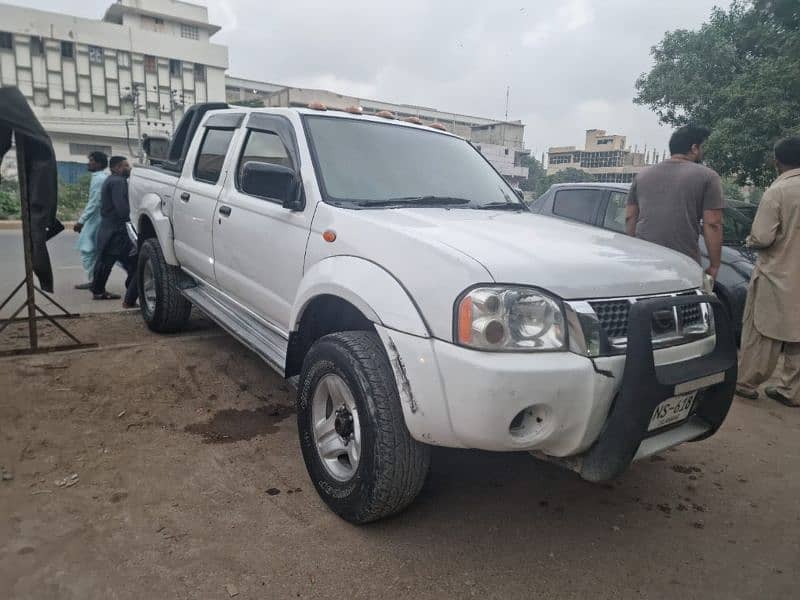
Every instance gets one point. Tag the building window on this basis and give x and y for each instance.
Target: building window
(190, 32)
(86, 149)
(175, 67)
(6, 41)
(67, 50)
(200, 72)
(152, 23)
(37, 46)
(95, 55)
(123, 59)
(149, 63)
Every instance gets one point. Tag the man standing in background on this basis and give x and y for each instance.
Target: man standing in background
(89, 220)
(667, 201)
(772, 312)
(113, 243)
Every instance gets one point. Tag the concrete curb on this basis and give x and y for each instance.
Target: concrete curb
(18, 225)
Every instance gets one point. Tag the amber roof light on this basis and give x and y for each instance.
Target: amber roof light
(414, 120)
(438, 126)
(317, 106)
(386, 114)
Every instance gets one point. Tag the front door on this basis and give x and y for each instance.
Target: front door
(195, 201)
(259, 246)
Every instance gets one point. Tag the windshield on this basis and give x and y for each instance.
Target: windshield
(367, 164)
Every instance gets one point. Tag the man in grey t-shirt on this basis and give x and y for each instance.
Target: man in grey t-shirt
(667, 201)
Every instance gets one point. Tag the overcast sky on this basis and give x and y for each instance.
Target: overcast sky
(571, 64)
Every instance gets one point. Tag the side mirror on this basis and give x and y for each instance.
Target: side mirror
(273, 182)
(519, 193)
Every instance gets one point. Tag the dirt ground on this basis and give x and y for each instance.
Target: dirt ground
(190, 484)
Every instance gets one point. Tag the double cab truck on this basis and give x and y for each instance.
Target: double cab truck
(389, 269)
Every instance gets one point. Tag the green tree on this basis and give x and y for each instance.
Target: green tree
(535, 173)
(570, 175)
(9, 199)
(737, 75)
(732, 190)
(72, 197)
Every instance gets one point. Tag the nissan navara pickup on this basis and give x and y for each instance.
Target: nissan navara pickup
(390, 270)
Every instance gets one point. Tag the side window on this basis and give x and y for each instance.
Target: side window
(615, 212)
(264, 147)
(578, 205)
(212, 153)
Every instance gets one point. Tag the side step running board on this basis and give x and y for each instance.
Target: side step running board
(268, 344)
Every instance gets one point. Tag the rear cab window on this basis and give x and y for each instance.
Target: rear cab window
(211, 155)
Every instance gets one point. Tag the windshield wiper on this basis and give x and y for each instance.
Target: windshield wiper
(416, 201)
(501, 206)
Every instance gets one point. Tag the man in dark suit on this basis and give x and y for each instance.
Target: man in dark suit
(113, 243)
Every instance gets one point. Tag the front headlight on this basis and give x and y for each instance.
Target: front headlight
(509, 318)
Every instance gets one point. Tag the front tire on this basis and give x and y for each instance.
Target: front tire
(163, 307)
(359, 454)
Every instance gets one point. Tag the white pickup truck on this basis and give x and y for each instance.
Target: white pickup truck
(391, 268)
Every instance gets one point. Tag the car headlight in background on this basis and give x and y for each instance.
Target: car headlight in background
(510, 318)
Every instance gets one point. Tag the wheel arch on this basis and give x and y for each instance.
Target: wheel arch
(151, 223)
(347, 293)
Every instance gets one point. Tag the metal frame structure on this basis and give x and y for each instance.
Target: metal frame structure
(30, 286)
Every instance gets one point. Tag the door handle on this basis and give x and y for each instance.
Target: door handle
(225, 211)
(185, 196)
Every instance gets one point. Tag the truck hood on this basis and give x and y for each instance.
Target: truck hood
(573, 261)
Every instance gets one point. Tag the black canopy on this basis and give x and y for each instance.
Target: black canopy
(36, 166)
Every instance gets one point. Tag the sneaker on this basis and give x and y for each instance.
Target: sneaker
(747, 393)
(84, 286)
(778, 397)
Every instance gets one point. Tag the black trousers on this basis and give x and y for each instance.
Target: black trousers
(119, 249)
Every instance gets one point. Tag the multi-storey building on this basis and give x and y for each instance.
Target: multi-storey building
(605, 156)
(101, 84)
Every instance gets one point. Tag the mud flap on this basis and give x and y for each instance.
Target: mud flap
(645, 386)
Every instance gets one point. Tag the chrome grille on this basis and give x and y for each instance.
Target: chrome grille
(670, 327)
(613, 316)
(690, 314)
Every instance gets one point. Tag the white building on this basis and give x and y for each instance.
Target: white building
(94, 83)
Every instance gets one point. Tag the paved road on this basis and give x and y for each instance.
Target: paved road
(67, 271)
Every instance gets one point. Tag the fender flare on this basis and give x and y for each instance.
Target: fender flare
(150, 208)
(373, 290)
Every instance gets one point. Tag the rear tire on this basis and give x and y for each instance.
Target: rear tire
(163, 307)
(366, 466)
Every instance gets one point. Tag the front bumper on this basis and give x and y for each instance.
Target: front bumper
(560, 404)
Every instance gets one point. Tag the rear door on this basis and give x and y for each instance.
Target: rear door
(578, 204)
(259, 246)
(195, 201)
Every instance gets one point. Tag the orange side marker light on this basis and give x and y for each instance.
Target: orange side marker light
(465, 321)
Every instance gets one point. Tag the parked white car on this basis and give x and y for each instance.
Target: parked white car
(392, 269)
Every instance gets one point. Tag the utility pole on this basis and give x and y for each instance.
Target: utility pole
(508, 92)
(175, 102)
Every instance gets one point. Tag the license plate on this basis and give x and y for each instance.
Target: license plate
(672, 410)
